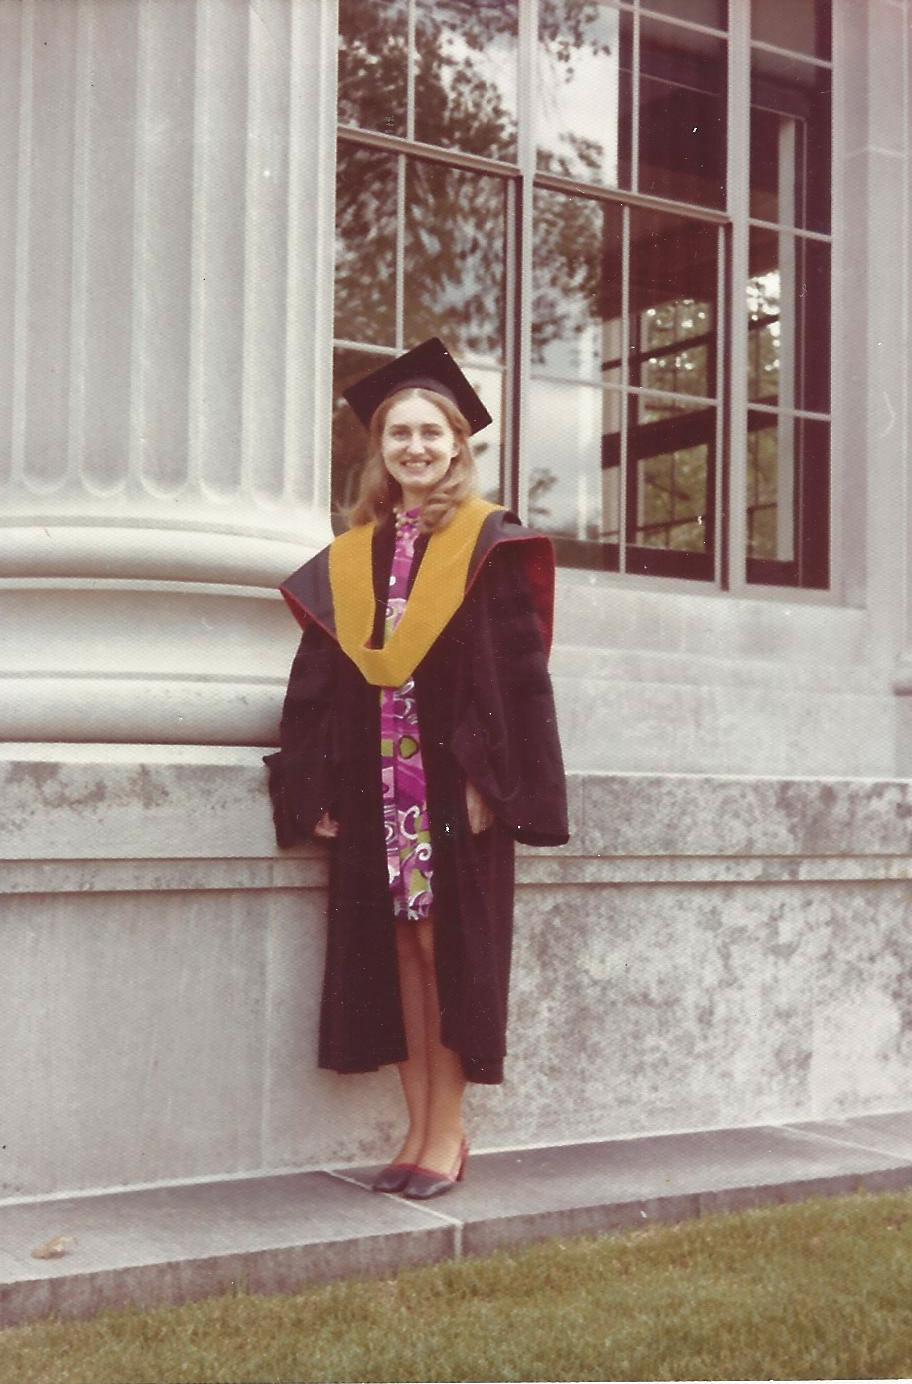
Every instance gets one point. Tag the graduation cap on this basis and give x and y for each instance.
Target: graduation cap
(428, 366)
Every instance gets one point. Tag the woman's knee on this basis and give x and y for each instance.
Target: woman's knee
(415, 943)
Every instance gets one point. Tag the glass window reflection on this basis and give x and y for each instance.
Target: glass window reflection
(573, 473)
(365, 303)
(620, 422)
(582, 80)
(801, 26)
(577, 314)
(682, 114)
(466, 76)
(712, 13)
(770, 523)
(667, 361)
(349, 440)
(671, 456)
(790, 142)
(788, 480)
(487, 446)
(455, 228)
(788, 296)
(373, 64)
(673, 278)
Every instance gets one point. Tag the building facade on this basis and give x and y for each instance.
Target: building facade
(670, 242)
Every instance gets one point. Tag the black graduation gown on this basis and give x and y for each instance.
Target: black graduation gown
(486, 712)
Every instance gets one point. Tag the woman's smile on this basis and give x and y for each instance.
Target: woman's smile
(418, 446)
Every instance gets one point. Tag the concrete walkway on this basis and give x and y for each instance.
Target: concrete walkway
(272, 1234)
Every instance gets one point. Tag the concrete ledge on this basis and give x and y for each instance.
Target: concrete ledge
(274, 1234)
(709, 951)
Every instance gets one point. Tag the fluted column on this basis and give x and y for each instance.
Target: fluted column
(165, 302)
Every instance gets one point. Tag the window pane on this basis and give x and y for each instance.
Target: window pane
(712, 13)
(488, 445)
(365, 306)
(349, 439)
(576, 267)
(771, 487)
(676, 345)
(788, 481)
(455, 227)
(764, 325)
(673, 289)
(373, 64)
(801, 26)
(790, 142)
(788, 306)
(573, 475)
(681, 114)
(583, 80)
(671, 455)
(466, 76)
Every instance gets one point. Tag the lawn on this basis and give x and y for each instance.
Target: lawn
(820, 1290)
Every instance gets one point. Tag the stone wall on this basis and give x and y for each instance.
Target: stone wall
(707, 951)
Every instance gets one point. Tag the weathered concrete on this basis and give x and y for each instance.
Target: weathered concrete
(674, 682)
(275, 1234)
(707, 951)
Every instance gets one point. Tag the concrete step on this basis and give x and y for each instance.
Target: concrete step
(275, 1233)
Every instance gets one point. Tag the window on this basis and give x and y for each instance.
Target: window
(557, 188)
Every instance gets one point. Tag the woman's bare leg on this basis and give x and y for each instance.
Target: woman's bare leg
(413, 1073)
(433, 1081)
(446, 1081)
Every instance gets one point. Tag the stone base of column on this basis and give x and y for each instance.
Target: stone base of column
(145, 635)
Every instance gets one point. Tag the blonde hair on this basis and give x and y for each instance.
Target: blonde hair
(378, 493)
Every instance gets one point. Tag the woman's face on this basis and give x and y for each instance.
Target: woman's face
(417, 445)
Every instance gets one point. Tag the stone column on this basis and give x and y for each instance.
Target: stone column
(165, 307)
(872, 342)
(899, 254)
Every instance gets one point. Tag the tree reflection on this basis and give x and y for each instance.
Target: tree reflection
(429, 242)
(454, 248)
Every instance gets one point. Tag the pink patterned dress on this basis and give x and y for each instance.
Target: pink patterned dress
(405, 814)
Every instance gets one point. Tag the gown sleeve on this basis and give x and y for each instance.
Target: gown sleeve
(506, 737)
(301, 771)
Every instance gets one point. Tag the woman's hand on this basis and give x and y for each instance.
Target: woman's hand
(480, 815)
(327, 827)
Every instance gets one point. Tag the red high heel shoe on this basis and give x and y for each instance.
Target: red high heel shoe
(393, 1177)
(425, 1182)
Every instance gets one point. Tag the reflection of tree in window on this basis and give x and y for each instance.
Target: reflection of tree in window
(455, 227)
(761, 498)
(577, 242)
(365, 303)
(668, 362)
(623, 334)
(455, 219)
(671, 440)
(578, 86)
(763, 340)
(672, 501)
(457, 104)
(540, 482)
(373, 64)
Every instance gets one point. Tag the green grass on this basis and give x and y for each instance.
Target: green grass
(820, 1290)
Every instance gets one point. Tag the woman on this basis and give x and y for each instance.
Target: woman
(418, 737)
